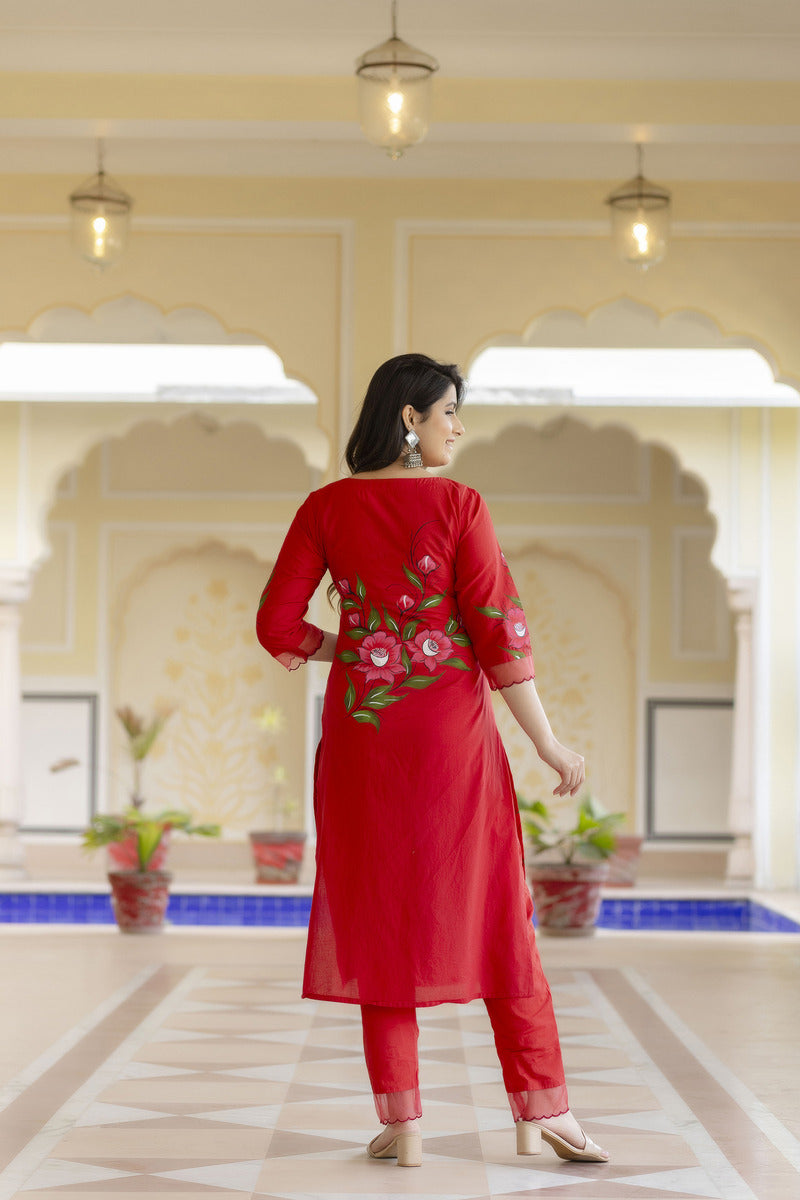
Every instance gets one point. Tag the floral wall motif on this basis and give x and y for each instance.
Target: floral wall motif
(187, 640)
(584, 652)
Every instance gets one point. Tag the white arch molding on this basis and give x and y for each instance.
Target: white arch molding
(55, 437)
(748, 803)
(625, 323)
(74, 428)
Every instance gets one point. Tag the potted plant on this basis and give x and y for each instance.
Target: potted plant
(140, 895)
(566, 884)
(141, 736)
(278, 850)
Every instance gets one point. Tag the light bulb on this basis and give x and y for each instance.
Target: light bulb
(641, 233)
(100, 247)
(395, 101)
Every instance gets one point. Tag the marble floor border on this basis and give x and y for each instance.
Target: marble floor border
(39, 1116)
(744, 1148)
(782, 1139)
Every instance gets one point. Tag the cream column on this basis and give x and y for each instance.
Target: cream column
(741, 812)
(14, 589)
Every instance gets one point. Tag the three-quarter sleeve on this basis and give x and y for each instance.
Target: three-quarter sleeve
(490, 608)
(280, 625)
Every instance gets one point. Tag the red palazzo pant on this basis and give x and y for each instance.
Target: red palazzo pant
(526, 1039)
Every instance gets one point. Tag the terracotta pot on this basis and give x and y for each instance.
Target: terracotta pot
(140, 899)
(624, 862)
(277, 856)
(123, 856)
(566, 896)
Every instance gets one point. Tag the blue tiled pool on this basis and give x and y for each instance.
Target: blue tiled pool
(718, 915)
(725, 914)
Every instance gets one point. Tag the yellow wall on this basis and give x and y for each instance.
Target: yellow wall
(336, 275)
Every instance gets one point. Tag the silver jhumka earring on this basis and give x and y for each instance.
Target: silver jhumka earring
(413, 458)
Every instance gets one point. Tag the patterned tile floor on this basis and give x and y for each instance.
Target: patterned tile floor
(202, 1075)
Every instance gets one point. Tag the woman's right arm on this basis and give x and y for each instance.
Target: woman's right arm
(281, 626)
(523, 700)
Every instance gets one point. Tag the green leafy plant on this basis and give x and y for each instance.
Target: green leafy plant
(592, 835)
(142, 735)
(148, 830)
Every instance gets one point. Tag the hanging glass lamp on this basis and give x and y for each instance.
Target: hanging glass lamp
(100, 218)
(394, 93)
(640, 217)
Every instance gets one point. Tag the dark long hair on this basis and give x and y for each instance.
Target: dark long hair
(415, 379)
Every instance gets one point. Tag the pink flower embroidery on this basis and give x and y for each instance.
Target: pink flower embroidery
(516, 628)
(380, 657)
(430, 647)
(354, 618)
(343, 587)
(405, 602)
(426, 564)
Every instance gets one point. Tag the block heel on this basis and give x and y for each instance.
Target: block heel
(409, 1150)
(406, 1148)
(529, 1138)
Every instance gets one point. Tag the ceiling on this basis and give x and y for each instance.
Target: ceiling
(537, 89)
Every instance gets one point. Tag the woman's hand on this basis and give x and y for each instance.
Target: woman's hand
(566, 763)
(523, 700)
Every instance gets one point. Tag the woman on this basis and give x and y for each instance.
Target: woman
(420, 895)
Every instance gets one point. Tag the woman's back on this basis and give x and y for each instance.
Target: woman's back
(414, 800)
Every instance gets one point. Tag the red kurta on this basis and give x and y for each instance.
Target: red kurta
(420, 894)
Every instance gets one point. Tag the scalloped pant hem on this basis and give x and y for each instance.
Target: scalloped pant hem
(526, 1040)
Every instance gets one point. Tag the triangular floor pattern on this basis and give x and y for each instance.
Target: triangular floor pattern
(241, 1090)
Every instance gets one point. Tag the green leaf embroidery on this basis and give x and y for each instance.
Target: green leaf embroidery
(367, 718)
(432, 601)
(348, 603)
(420, 681)
(405, 660)
(451, 626)
(391, 623)
(357, 633)
(349, 656)
(515, 653)
(515, 600)
(379, 697)
(493, 612)
(374, 619)
(410, 628)
(460, 639)
(456, 662)
(361, 591)
(415, 579)
(350, 695)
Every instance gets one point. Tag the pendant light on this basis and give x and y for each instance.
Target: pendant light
(100, 217)
(640, 213)
(394, 93)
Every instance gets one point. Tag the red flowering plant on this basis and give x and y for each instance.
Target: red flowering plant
(397, 651)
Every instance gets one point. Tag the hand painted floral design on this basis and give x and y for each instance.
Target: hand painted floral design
(398, 650)
(516, 628)
(380, 657)
(431, 646)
